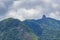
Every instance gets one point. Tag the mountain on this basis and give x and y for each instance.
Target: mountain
(34, 26)
(14, 29)
(41, 29)
(45, 28)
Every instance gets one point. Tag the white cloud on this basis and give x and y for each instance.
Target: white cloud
(55, 5)
(23, 13)
(16, 4)
(13, 14)
(47, 1)
(55, 15)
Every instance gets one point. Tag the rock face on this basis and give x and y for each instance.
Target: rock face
(13, 29)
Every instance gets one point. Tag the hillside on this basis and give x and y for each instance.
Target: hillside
(45, 28)
(41, 29)
(14, 29)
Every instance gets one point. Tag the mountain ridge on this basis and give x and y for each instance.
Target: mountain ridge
(50, 28)
(41, 29)
(14, 29)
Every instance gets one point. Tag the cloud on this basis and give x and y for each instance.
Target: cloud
(4, 6)
(23, 14)
(55, 15)
(30, 9)
(47, 1)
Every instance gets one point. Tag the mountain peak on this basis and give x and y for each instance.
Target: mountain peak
(44, 17)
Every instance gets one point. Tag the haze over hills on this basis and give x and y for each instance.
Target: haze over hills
(41, 29)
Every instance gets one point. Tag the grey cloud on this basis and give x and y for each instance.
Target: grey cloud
(28, 4)
(6, 4)
(47, 7)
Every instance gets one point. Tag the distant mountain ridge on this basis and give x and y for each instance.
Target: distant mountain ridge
(41, 29)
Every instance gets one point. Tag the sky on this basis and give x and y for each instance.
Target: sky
(29, 9)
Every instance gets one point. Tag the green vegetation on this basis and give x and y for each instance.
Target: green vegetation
(13, 29)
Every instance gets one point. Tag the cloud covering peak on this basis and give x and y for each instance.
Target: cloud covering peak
(29, 9)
